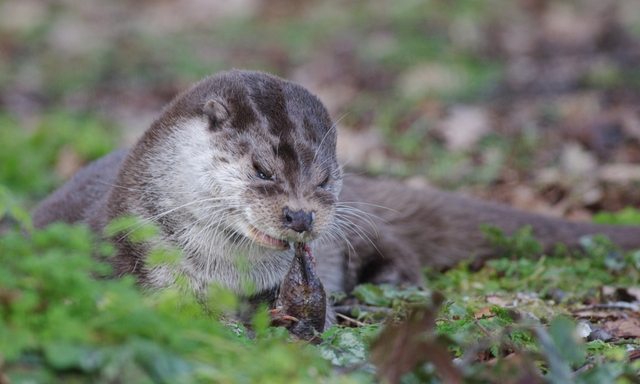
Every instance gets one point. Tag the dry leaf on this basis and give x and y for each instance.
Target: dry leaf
(497, 300)
(483, 313)
(623, 328)
(464, 127)
(400, 348)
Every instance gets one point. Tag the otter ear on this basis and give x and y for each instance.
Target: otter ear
(217, 113)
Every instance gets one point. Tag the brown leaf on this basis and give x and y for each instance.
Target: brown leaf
(629, 327)
(619, 173)
(483, 313)
(607, 291)
(594, 315)
(634, 355)
(497, 300)
(464, 127)
(400, 348)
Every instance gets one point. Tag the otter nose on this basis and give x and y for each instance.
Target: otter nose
(300, 221)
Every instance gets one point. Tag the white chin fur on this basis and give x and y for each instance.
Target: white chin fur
(198, 205)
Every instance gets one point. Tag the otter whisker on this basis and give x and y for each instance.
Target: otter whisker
(358, 230)
(368, 204)
(139, 189)
(344, 164)
(326, 134)
(144, 221)
(358, 214)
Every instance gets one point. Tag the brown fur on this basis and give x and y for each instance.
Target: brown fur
(285, 137)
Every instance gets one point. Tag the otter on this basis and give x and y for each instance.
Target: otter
(244, 163)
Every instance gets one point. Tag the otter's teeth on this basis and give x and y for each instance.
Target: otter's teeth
(265, 239)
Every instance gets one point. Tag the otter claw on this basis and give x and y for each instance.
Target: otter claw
(279, 319)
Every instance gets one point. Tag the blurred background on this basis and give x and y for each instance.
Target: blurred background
(535, 103)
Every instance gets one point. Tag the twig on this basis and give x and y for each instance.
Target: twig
(358, 323)
(347, 309)
(485, 330)
(617, 305)
(584, 368)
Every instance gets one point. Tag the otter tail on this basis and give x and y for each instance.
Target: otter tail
(443, 228)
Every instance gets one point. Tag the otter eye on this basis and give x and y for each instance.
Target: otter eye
(324, 183)
(262, 173)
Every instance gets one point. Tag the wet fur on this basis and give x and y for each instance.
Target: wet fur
(195, 174)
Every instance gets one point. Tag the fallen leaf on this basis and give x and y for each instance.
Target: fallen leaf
(619, 173)
(623, 328)
(497, 300)
(483, 313)
(400, 348)
(464, 127)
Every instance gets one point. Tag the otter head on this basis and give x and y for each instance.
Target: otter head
(252, 161)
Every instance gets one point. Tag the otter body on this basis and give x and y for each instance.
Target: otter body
(244, 163)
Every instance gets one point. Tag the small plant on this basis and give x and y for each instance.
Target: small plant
(62, 319)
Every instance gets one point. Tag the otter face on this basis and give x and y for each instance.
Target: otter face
(286, 161)
(264, 162)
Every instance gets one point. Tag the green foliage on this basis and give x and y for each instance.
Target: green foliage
(371, 294)
(604, 253)
(521, 244)
(577, 274)
(131, 227)
(386, 295)
(627, 216)
(9, 207)
(29, 154)
(528, 321)
(571, 349)
(465, 329)
(345, 346)
(61, 322)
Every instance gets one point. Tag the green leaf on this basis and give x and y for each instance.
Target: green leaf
(563, 333)
(163, 255)
(627, 216)
(162, 365)
(133, 228)
(344, 346)
(372, 295)
(64, 356)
